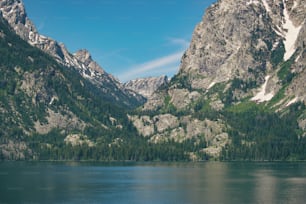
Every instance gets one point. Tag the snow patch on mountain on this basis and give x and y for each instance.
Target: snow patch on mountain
(262, 96)
(211, 85)
(291, 34)
(252, 2)
(267, 7)
(295, 4)
(292, 101)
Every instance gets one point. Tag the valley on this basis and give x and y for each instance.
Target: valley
(239, 94)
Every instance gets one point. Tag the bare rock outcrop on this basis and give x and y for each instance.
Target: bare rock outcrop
(146, 86)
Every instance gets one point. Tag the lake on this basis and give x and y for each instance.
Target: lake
(208, 182)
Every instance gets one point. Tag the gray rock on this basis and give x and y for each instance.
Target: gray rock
(146, 86)
(181, 98)
(165, 122)
(144, 125)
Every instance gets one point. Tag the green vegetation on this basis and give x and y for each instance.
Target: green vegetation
(168, 106)
(203, 110)
(181, 81)
(129, 148)
(228, 97)
(277, 55)
(285, 73)
(258, 134)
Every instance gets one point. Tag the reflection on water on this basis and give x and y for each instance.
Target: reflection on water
(266, 186)
(210, 182)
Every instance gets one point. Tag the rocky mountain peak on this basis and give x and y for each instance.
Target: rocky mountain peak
(237, 35)
(85, 57)
(14, 12)
(146, 86)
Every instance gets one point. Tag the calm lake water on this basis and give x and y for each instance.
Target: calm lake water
(211, 182)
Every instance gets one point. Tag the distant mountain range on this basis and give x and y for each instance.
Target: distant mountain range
(147, 86)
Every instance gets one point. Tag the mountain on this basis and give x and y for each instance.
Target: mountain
(241, 84)
(14, 12)
(44, 104)
(146, 86)
(255, 37)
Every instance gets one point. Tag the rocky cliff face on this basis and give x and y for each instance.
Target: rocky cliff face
(236, 37)
(250, 42)
(241, 52)
(147, 86)
(14, 12)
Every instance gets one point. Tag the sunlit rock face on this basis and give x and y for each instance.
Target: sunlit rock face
(235, 37)
(146, 86)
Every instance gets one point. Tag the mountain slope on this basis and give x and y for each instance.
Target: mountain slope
(44, 104)
(59, 106)
(14, 12)
(246, 61)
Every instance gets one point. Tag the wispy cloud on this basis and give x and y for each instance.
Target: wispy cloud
(158, 66)
(179, 41)
(41, 26)
(165, 65)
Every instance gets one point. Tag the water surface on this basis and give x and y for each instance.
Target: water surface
(211, 182)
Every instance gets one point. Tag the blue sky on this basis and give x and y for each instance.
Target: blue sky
(128, 38)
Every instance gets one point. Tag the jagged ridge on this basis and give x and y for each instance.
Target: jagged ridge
(147, 86)
(14, 12)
